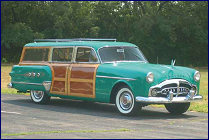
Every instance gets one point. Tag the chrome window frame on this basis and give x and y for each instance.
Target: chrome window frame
(121, 61)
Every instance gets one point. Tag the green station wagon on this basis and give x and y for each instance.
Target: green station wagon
(102, 70)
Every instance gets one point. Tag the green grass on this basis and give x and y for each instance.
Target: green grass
(67, 131)
(196, 106)
(203, 105)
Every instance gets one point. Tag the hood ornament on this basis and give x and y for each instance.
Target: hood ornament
(173, 63)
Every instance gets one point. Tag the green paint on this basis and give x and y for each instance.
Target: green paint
(138, 71)
(19, 74)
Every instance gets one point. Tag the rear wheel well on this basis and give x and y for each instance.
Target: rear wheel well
(115, 89)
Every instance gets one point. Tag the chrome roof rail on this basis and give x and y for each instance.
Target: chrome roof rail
(74, 39)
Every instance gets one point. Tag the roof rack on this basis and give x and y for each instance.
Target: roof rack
(74, 39)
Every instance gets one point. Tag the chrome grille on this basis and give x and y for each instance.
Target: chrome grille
(182, 90)
(179, 87)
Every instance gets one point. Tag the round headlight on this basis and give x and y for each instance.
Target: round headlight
(150, 77)
(197, 76)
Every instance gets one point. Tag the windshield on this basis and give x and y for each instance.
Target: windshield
(112, 54)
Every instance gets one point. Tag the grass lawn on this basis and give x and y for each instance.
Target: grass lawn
(196, 106)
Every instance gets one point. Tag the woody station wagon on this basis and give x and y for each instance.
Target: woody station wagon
(102, 70)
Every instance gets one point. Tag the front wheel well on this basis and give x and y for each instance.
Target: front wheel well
(115, 88)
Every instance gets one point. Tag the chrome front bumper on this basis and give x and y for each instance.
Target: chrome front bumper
(163, 100)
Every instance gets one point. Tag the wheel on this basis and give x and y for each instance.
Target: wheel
(39, 97)
(177, 108)
(125, 102)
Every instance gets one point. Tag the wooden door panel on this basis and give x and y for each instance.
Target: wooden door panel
(59, 79)
(58, 86)
(82, 80)
(81, 87)
(59, 71)
(82, 72)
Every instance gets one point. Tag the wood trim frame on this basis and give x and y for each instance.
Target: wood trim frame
(60, 79)
(69, 66)
(93, 81)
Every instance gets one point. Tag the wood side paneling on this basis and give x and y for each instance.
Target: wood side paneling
(82, 72)
(58, 86)
(59, 71)
(60, 78)
(72, 79)
(82, 88)
(82, 80)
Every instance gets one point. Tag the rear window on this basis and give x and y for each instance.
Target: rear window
(36, 54)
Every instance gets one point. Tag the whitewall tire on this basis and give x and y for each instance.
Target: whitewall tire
(39, 97)
(125, 102)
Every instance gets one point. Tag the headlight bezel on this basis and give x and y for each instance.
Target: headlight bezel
(150, 77)
(197, 73)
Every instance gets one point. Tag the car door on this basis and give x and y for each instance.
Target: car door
(61, 62)
(82, 73)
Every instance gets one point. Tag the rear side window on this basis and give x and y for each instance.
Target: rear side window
(86, 55)
(36, 54)
(62, 54)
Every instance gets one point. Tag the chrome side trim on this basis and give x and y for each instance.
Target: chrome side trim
(121, 78)
(46, 84)
(123, 61)
(26, 83)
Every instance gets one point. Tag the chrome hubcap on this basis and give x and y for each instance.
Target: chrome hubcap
(126, 101)
(38, 94)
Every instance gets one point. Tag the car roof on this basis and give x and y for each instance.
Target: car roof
(94, 44)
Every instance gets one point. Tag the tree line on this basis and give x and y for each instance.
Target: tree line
(163, 30)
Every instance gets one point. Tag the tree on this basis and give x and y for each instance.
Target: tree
(162, 29)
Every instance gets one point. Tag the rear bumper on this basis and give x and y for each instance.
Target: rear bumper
(162, 100)
(9, 85)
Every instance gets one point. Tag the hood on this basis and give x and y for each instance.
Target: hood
(140, 70)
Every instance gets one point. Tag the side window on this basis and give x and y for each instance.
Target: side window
(36, 54)
(86, 55)
(62, 54)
